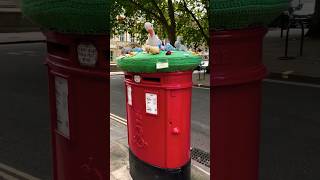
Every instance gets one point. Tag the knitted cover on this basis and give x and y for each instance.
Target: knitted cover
(74, 16)
(147, 63)
(236, 14)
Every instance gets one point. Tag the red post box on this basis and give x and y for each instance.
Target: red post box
(237, 71)
(79, 98)
(158, 113)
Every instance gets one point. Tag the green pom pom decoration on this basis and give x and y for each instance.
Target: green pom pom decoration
(238, 14)
(69, 16)
(147, 63)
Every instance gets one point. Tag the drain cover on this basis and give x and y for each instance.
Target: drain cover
(200, 156)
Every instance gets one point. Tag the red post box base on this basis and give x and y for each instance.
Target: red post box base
(141, 170)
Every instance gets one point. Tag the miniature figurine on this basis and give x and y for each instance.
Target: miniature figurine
(125, 50)
(153, 43)
(137, 49)
(169, 47)
(152, 49)
(179, 46)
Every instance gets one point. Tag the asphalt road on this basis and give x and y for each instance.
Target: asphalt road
(200, 114)
(290, 148)
(24, 109)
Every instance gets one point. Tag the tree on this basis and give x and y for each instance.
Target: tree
(314, 30)
(193, 23)
(175, 17)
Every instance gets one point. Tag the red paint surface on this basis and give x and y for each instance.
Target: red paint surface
(161, 140)
(85, 154)
(237, 70)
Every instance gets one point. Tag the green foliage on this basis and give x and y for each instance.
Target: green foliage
(188, 28)
(136, 12)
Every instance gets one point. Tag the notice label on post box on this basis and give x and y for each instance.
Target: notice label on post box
(87, 55)
(129, 95)
(61, 86)
(162, 65)
(151, 104)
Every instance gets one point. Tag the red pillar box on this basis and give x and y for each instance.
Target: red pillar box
(79, 97)
(237, 71)
(158, 111)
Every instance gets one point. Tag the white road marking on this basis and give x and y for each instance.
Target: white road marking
(118, 119)
(16, 172)
(204, 171)
(116, 73)
(4, 176)
(199, 87)
(124, 122)
(29, 52)
(14, 53)
(292, 83)
(286, 74)
(115, 77)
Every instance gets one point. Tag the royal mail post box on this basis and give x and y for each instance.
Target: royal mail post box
(158, 113)
(79, 98)
(237, 72)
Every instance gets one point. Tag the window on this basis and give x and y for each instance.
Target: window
(122, 37)
(132, 38)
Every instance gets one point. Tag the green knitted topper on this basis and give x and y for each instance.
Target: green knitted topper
(74, 16)
(236, 14)
(147, 63)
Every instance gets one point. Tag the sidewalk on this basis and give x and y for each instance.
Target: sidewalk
(308, 65)
(119, 165)
(12, 19)
(24, 37)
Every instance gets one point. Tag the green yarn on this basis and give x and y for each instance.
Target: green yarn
(147, 63)
(69, 16)
(237, 14)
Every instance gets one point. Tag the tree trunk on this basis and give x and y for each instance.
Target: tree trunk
(173, 27)
(171, 35)
(314, 31)
(195, 46)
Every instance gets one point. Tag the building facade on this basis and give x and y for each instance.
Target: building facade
(117, 42)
